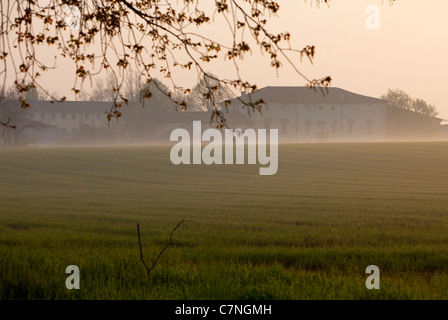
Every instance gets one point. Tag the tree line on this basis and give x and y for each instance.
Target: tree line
(400, 99)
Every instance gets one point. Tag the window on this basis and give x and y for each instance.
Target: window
(369, 126)
(42, 116)
(53, 116)
(98, 117)
(333, 127)
(31, 115)
(308, 127)
(321, 125)
(73, 116)
(284, 123)
(63, 116)
(86, 116)
(351, 123)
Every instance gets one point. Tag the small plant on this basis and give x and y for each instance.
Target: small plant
(149, 269)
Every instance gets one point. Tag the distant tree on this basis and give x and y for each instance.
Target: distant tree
(144, 100)
(399, 98)
(135, 90)
(32, 94)
(155, 36)
(14, 117)
(421, 106)
(102, 90)
(200, 98)
(133, 85)
(152, 95)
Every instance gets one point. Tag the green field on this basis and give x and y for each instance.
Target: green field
(308, 232)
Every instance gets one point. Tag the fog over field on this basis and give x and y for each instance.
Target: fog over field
(308, 232)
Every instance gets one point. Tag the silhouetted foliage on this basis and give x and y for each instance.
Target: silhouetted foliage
(200, 98)
(154, 36)
(399, 98)
(14, 117)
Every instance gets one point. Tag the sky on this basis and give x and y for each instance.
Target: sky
(409, 50)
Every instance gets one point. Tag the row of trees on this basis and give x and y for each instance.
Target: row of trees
(152, 93)
(399, 98)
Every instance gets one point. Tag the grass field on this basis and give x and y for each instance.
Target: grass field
(308, 232)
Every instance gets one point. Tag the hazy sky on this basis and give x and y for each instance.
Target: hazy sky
(408, 52)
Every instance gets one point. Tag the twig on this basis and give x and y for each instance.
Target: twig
(149, 269)
(140, 245)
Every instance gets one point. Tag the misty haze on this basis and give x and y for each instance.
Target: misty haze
(299, 114)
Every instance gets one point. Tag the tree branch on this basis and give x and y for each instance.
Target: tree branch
(149, 269)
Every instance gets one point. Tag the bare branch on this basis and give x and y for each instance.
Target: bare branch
(170, 243)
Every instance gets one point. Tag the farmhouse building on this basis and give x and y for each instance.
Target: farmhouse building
(300, 114)
(70, 115)
(304, 115)
(149, 125)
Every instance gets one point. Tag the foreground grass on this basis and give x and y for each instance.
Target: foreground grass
(308, 232)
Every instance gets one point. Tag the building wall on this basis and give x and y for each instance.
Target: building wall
(407, 125)
(324, 122)
(71, 122)
(334, 121)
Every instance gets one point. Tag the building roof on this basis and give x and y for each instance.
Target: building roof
(305, 94)
(269, 94)
(45, 106)
(160, 116)
(414, 114)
